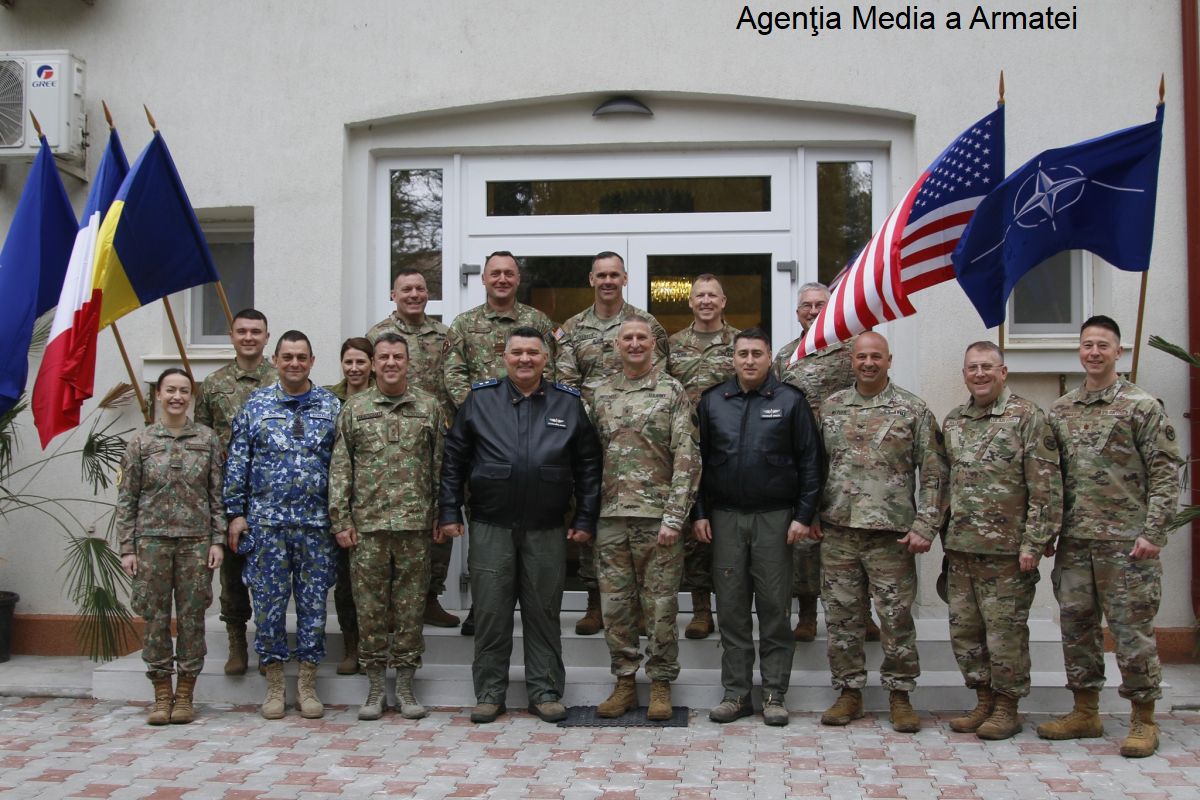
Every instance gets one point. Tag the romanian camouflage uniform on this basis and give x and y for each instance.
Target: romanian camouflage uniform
(699, 360)
(221, 397)
(426, 349)
(876, 446)
(651, 473)
(818, 376)
(587, 356)
(343, 593)
(383, 481)
(1005, 501)
(475, 346)
(277, 477)
(168, 514)
(1120, 466)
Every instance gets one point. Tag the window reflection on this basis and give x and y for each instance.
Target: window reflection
(416, 225)
(843, 214)
(628, 196)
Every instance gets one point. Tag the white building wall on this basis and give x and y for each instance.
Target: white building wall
(278, 106)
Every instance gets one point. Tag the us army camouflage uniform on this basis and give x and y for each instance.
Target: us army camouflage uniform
(1120, 465)
(876, 446)
(277, 477)
(426, 350)
(221, 397)
(818, 376)
(383, 481)
(1005, 501)
(651, 473)
(699, 360)
(475, 346)
(169, 513)
(587, 356)
(343, 593)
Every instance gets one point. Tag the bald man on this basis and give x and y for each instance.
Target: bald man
(884, 450)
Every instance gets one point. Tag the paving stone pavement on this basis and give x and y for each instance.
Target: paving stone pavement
(63, 747)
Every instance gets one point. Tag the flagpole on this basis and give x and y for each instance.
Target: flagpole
(137, 386)
(225, 306)
(1141, 312)
(1000, 102)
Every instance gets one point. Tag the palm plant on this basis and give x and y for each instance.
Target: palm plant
(1187, 514)
(94, 580)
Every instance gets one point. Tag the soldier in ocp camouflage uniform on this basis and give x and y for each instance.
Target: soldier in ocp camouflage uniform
(276, 498)
(1005, 505)
(818, 375)
(476, 340)
(1120, 466)
(383, 480)
(221, 397)
(171, 526)
(587, 356)
(877, 438)
(651, 471)
(428, 339)
(700, 356)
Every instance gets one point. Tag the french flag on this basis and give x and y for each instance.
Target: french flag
(67, 374)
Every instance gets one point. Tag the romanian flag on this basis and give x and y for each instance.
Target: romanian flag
(150, 244)
(68, 369)
(32, 265)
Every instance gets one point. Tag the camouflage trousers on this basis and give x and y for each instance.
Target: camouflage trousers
(1097, 577)
(235, 597)
(390, 571)
(752, 564)
(989, 598)
(172, 567)
(697, 562)
(343, 594)
(860, 566)
(806, 569)
(289, 561)
(637, 573)
(508, 565)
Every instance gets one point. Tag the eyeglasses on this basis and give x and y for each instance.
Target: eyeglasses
(981, 369)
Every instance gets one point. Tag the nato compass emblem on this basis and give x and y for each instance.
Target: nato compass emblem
(1045, 194)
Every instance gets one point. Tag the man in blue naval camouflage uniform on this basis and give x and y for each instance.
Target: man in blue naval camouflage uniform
(276, 499)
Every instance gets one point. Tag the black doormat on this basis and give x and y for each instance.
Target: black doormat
(585, 717)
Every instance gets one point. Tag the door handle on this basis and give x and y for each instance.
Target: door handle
(465, 270)
(790, 267)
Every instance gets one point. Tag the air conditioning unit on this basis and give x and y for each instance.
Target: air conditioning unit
(49, 83)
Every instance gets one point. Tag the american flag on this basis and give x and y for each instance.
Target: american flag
(911, 251)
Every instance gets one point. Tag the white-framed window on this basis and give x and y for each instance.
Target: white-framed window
(232, 247)
(1052, 300)
(846, 194)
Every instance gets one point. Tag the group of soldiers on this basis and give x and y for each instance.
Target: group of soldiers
(694, 462)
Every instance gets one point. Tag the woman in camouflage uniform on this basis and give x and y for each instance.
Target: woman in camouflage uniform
(358, 375)
(171, 524)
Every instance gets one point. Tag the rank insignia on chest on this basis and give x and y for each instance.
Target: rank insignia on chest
(556, 422)
(772, 413)
(499, 348)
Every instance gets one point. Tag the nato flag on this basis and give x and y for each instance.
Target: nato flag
(32, 265)
(1097, 195)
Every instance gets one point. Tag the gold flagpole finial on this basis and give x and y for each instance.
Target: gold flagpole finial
(1162, 87)
(37, 126)
(150, 119)
(1001, 101)
(108, 116)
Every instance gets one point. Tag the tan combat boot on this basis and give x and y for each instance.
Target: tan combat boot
(437, 616)
(272, 707)
(236, 663)
(904, 719)
(181, 710)
(1003, 723)
(970, 722)
(372, 708)
(410, 708)
(846, 708)
(624, 698)
(349, 663)
(306, 688)
(806, 619)
(592, 621)
(160, 712)
(660, 701)
(702, 621)
(1142, 740)
(1081, 722)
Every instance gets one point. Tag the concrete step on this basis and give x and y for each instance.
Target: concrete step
(445, 679)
